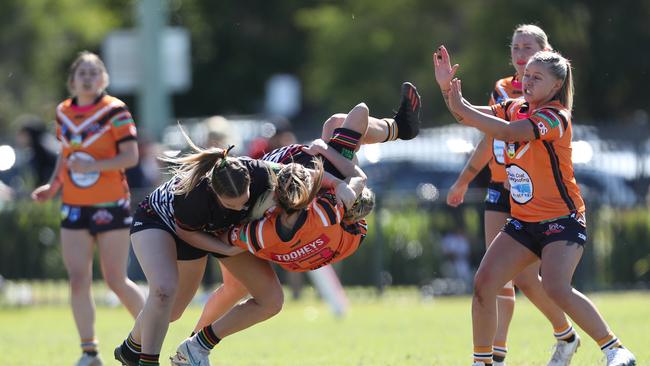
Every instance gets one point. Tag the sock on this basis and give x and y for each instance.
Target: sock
(609, 342)
(345, 141)
(131, 349)
(392, 129)
(149, 360)
(89, 346)
(207, 339)
(483, 354)
(565, 333)
(500, 350)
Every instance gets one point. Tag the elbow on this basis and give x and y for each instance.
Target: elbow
(131, 161)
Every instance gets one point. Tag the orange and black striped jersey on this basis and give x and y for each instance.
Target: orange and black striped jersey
(318, 238)
(540, 171)
(93, 132)
(506, 88)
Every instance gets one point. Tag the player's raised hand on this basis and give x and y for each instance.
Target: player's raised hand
(442, 67)
(455, 99)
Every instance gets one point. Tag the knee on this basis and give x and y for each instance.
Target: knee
(360, 109)
(79, 282)
(484, 289)
(115, 281)
(163, 294)
(331, 124)
(558, 292)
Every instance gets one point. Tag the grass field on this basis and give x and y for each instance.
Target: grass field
(398, 329)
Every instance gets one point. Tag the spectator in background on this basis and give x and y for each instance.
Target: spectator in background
(283, 136)
(220, 133)
(40, 158)
(456, 250)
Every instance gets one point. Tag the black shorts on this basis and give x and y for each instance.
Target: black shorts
(96, 219)
(497, 198)
(536, 235)
(146, 218)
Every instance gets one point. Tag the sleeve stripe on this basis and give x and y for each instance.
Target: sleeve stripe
(248, 242)
(321, 214)
(329, 210)
(260, 233)
(252, 228)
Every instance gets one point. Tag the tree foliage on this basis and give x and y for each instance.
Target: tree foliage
(38, 40)
(343, 51)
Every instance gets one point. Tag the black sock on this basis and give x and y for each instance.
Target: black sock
(498, 358)
(345, 141)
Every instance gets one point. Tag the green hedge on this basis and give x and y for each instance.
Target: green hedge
(29, 240)
(407, 248)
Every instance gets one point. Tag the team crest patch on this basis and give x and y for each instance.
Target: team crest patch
(511, 150)
(102, 217)
(554, 228)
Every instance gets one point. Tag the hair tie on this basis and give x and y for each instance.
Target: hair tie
(225, 155)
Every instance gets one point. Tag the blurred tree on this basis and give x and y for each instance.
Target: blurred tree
(38, 40)
(362, 49)
(236, 47)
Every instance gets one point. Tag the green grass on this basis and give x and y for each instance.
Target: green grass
(398, 329)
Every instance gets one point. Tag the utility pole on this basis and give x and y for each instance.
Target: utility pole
(153, 101)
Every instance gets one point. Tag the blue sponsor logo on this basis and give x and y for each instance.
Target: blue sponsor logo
(75, 214)
(493, 196)
(516, 224)
(522, 188)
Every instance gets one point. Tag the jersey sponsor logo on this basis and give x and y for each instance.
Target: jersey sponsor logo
(554, 228)
(492, 196)
(137, 223)
(582, 236)
(305, 250)
(499, 148)
(521, 185)
(83, 180)
(542, 129)
(102, 217)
